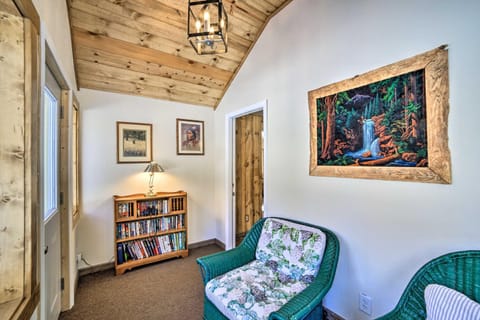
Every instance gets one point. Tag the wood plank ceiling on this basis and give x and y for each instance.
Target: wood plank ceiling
(140, 47)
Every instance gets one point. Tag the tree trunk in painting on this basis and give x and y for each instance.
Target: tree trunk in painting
(410, 116)
(405, 109)
(327, 148)
(414, 117)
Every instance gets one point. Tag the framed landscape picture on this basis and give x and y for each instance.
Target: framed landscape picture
(190, 138)
(390, 123)
(134, 142)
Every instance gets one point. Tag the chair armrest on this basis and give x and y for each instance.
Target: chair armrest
(303, 303)
(216, 264)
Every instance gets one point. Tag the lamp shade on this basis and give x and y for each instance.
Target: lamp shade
(153, 167)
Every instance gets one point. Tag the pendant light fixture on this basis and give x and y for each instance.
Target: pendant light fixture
(207, 26)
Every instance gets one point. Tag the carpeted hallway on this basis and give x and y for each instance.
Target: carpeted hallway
(171, 289)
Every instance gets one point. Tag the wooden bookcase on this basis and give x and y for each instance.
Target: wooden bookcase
(149, 229)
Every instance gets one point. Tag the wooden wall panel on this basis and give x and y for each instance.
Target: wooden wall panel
(9, 7)
(32, 157)
(19, 160)
(12, 157)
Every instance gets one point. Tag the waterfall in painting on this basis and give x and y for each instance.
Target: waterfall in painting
(370, 142)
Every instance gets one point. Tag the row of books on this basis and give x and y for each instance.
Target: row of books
(145, 227)
(140, 249)
(152, 207)
(125, 210)
(178, 204)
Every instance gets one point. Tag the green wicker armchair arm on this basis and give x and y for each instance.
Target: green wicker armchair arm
(302, 304)
(219, 263)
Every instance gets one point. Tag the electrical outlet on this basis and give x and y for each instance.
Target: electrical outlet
(365, 303)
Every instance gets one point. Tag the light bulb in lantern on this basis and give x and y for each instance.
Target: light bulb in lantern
(198, 25)
(206, 20)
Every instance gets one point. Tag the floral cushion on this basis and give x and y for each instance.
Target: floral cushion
(251, 292)
(293, 250)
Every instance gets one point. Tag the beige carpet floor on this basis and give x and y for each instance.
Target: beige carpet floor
(171, 289)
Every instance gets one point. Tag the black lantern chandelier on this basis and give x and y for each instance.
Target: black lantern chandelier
(207, 26)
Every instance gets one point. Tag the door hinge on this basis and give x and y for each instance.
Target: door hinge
(61, 112)
(62, 283)
(61, 198)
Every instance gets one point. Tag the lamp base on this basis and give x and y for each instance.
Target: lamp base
(150, 194)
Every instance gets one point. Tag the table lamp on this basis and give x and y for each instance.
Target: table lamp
(151, 169)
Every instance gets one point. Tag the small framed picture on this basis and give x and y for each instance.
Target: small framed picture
(190, 140)
(134, 142)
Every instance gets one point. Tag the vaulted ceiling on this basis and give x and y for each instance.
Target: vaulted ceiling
(140, 47)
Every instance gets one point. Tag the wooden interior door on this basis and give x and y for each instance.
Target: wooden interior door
(248, 173)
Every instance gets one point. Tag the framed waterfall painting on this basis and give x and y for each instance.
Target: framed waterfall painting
(390, 123)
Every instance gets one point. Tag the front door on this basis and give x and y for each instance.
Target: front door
(51, 289)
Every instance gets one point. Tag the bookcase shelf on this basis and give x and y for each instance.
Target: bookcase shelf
(149, 229)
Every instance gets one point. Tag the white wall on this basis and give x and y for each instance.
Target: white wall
(387, 229)
(103, 177)
(56, 32)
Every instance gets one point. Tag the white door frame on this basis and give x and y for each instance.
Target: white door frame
(66, 297)
(230, 166)
(52, 239)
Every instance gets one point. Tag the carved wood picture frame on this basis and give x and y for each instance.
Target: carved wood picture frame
(411, 136)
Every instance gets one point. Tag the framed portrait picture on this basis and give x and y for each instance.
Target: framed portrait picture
(190, 139)
(134, 142)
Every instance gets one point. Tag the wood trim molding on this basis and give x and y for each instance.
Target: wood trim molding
(27, 9)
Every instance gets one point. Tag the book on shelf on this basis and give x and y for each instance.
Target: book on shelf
(146, 227)
(120, 256)
(125, 210)
(148, 247)
(152, 207)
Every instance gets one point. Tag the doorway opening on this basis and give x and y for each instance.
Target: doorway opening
(246, 155)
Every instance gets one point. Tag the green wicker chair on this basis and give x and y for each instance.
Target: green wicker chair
(306, 305)
(457, 270)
